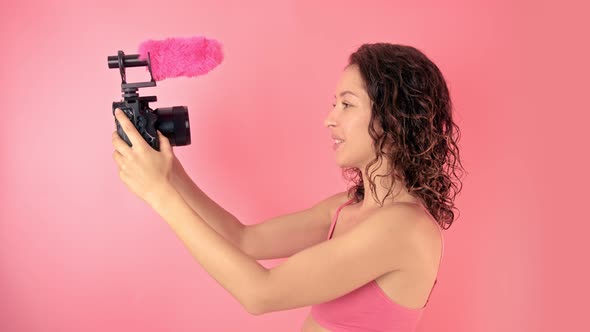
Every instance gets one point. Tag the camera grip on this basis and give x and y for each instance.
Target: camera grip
(145, 127)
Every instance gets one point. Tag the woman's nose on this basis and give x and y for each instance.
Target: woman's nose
(329, 121)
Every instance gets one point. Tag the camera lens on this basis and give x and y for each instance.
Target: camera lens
(173, 122)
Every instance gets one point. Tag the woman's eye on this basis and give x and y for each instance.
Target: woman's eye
(334, 105)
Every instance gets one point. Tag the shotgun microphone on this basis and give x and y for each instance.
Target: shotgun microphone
(174, 57)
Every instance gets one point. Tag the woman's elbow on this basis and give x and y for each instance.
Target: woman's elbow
(255, 309)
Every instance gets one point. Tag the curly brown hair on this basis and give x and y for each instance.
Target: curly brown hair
(412, 111)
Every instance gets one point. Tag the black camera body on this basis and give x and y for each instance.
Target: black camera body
(172, 122)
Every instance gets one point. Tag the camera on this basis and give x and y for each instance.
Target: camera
(172, 122)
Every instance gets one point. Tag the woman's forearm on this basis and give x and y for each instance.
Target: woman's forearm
(222, 221)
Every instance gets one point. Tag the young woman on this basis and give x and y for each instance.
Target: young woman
(365, 259)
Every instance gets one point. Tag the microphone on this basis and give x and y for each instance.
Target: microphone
(173, 57)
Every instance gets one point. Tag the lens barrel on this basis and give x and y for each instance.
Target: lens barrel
(173, 122)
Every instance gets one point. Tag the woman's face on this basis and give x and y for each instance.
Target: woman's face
(349, 119)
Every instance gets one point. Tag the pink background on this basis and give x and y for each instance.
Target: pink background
(79, 252)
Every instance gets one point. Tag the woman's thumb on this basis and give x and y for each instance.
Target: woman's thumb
(164, 142)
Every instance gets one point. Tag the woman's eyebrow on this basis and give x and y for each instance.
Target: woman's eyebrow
(345, 92)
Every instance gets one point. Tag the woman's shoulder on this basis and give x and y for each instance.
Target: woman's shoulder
(412, 215)
(411, 221)
(419, 226)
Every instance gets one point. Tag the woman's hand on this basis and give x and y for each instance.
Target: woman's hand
(145, 171)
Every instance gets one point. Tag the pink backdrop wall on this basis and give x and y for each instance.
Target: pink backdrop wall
(79, 252)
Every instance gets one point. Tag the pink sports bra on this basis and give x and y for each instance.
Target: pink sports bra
(367, 308)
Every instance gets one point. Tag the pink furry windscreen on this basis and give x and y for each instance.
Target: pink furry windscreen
(175, 57)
